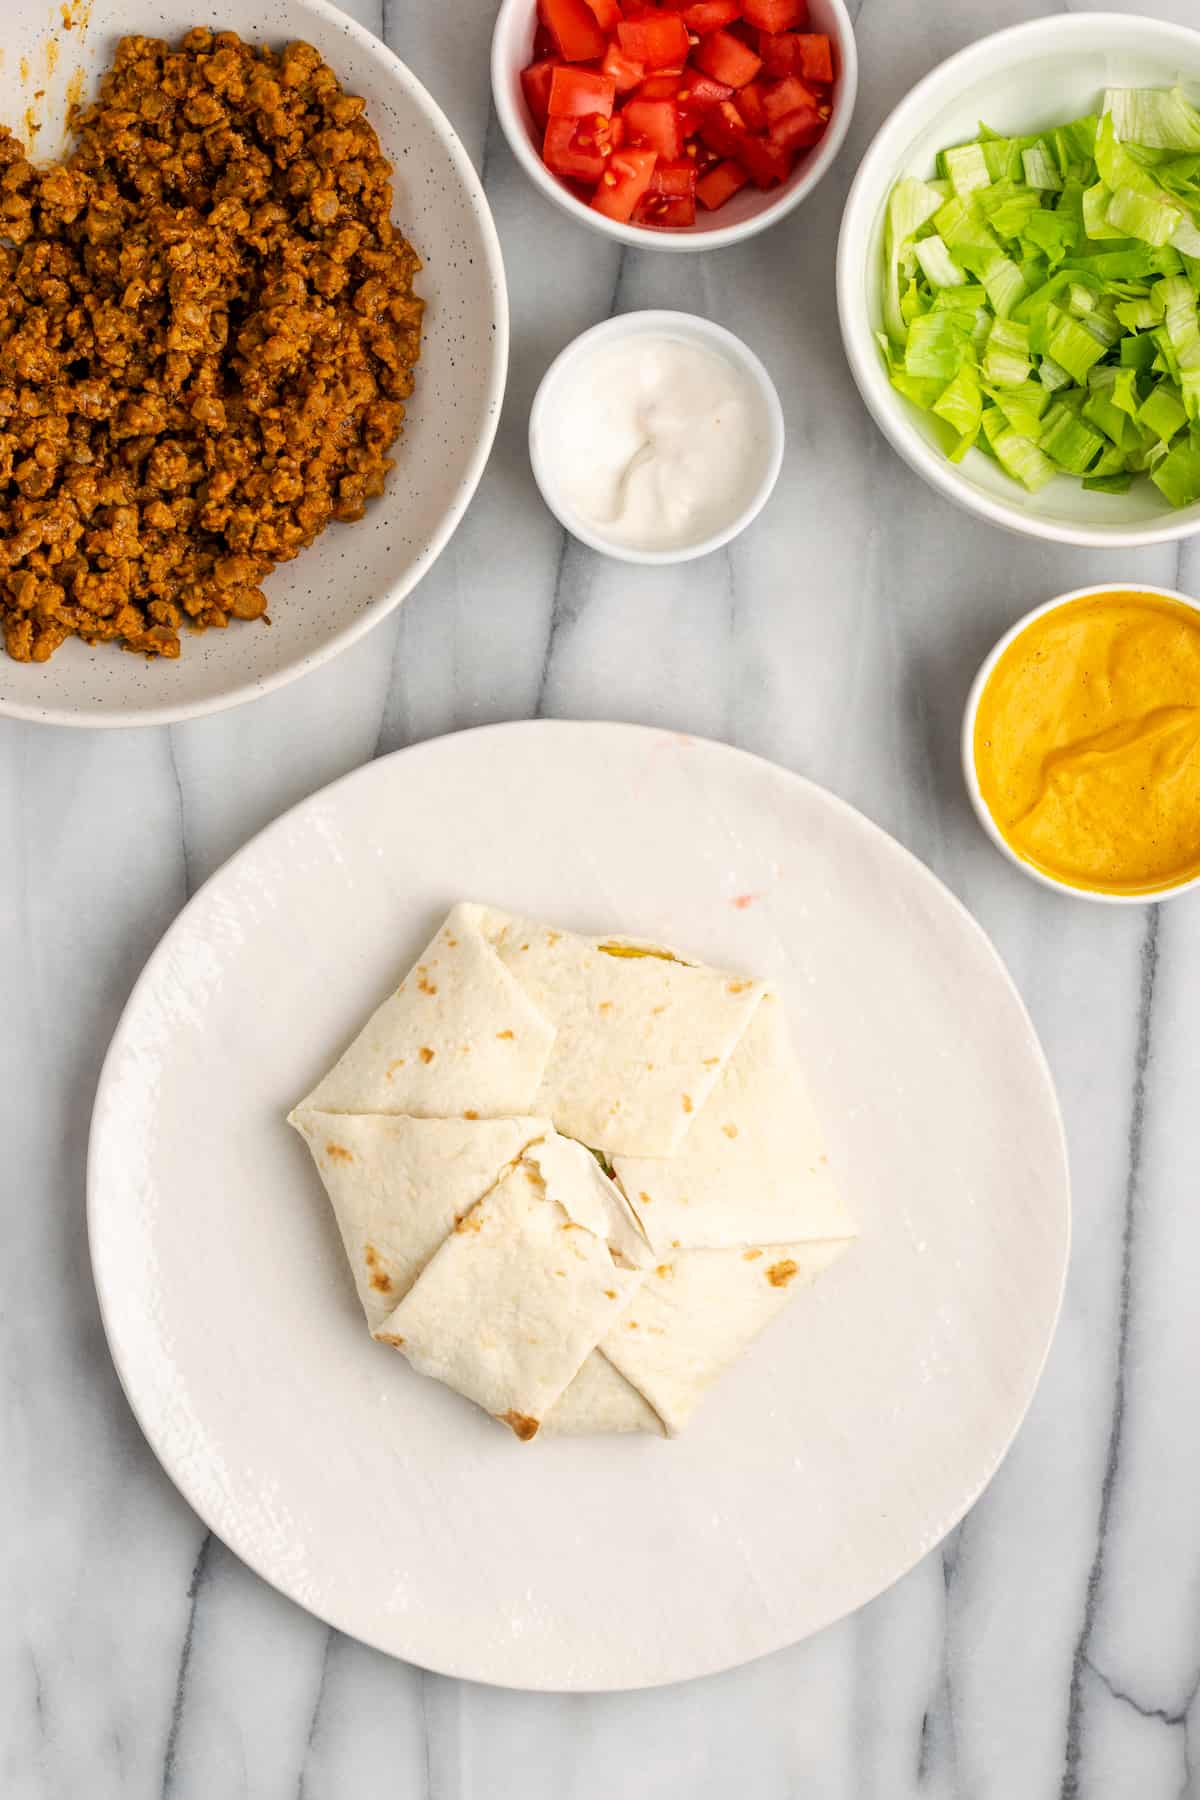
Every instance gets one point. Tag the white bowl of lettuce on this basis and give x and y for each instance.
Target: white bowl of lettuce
(1019, 277)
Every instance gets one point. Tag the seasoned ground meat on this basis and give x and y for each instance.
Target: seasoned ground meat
(207, 335)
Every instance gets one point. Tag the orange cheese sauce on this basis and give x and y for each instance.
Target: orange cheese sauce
(1087, 743)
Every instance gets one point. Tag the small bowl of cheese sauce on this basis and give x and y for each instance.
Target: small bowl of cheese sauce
(1081, 743)
(656, 437)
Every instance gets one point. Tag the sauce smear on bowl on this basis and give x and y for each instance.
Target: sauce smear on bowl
(1087, 743)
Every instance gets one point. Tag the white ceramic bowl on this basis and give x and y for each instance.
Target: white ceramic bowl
(1026, 79)
(749, 212)
(655, 324)
(352, 575)
(970, 776)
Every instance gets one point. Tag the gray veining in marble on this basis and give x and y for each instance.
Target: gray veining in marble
(1050, 1650)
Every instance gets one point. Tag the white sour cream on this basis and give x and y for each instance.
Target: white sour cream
(654, 442)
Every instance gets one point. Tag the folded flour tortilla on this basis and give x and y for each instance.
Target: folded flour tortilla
(516, 1297)
(640, 1035)
(601, 1400)
(398, 1187)
(486, 1242)
(696, 1313)
(458, 1038)
(753, 1168)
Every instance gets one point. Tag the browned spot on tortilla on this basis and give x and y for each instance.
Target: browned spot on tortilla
(552, 937)
(452, 943)
(742, 901)
(632, 1325)
(426, 986)
(740, 987)
(572, 1226)
(644, 1197)
(520, 1424)
(650, 1068)
(687, 1103)
(605, 1006)
(470, 1115)
(427, 1055)
(472, 1222)
(524, 946)
(655, 1010)
(504, 1034)
(561, 1272)
(822, 1159)
(610, 1293)
(750, 1255)
(389, 1337)
(393, 1066)
(730, 1131)
(381, 1281)
(339, 1153)
(675, 1244)
(780, 1273)
(710, 1062)
(664, 1270)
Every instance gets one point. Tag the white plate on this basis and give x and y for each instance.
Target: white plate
(352, 575)
(852, 1436)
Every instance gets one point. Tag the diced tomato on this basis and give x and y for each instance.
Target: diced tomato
(750, 105)
(727, 59)
(661, 87)
(666, 210)
(798, 130)
(661, 41)
(720, 184)
(814, 56)
(574, 148)
(722, 128)
(698, 90)
(580, 94)
(647, 107)
(535, 83)
(710, 15)
(783, 97)
(780, 54)
(775, 15)
(677, 177)
(623, 183)
(763, 160)
(622, 71)
(654, 123)
(572, 24)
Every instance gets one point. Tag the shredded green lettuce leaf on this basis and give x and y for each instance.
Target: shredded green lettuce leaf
(1042, 297)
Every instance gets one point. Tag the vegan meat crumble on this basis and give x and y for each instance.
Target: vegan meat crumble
(207, 336)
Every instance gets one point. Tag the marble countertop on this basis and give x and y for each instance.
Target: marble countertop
(1051, 1647)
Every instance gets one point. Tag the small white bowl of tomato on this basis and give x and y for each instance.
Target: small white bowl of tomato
(675, 124)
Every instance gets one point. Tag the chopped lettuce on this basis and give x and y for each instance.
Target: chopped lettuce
(1042, 297)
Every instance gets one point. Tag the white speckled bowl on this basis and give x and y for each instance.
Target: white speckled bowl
(346, 581)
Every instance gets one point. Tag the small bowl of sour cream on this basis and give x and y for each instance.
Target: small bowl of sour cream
(656, 437)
